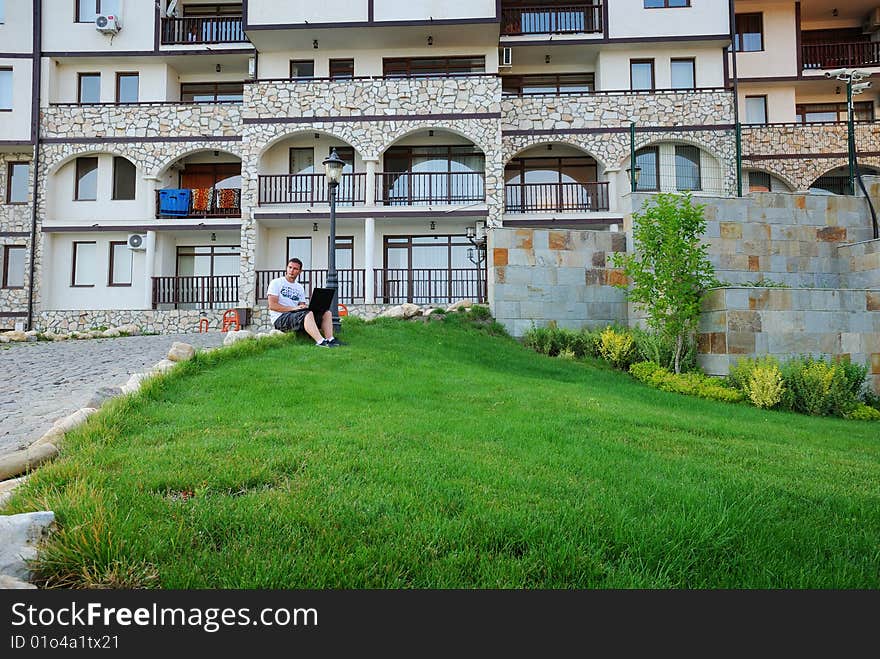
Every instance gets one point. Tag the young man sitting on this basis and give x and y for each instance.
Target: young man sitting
(289, 311)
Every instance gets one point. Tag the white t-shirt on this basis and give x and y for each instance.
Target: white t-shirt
(289, 294)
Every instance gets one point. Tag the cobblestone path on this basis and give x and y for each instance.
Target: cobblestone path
(42, 382)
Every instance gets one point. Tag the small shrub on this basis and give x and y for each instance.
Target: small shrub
(691, 384)
(659, 348)
(552, 340)
(567, 353)
(644, 370)
(817, 388)
(862, 412)
(617, 348)
(855, 375)
(479, 312)
(765, 387)
(871, 399)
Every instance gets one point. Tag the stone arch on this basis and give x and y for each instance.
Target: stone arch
(66, 157)
(167, 161)
(285, 135)
(402, 130)
(792, 186)
(510, 154)
(654, 140)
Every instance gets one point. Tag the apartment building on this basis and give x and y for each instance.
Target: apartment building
(171, 157)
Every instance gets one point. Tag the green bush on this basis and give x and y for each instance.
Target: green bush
(818, 388)
(617, 347)
(644, 371)
(691, 384)
(765, 387)
(660, 348)
(552, 340)
(855, 375)
(862, 412)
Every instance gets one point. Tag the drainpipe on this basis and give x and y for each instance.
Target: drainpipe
(36, 80)
(734, 76)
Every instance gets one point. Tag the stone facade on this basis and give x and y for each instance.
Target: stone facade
(149, 321)
(15, 228)
(538, 276)
(859, 264)
(751, 322)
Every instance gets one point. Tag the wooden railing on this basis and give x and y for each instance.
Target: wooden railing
(547, 19)
(310, 189)
(422, 188)
(840, 55)
(213, 209)
(351, 283)
(556, 197)
(429, 285)
(202, 29)
(195, 292)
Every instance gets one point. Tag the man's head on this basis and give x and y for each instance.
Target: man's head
(294, 267)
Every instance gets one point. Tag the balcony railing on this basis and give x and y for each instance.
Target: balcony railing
(195, 292)
(351, 283)
(420, 189)
(429, 285)
(310, 189)
(841, 55)
(556, 197)
(202, 30)
(217, 203)
(551, 20)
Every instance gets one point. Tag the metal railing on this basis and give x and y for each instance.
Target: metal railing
(419, 189)
(840, 55)
(556, 197)
(213, 210)
(201, 30)
(195, 292)
(351, 283)
(429, 285)
(545, 19)
(310, 189)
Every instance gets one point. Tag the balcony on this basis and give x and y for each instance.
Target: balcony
(840, 55)
(351, 283)
(543, 19)
(429, 285)
(198, 30)
(195, 292)
(310, 189)
(198, 203)
(427, 188)
(556, 197)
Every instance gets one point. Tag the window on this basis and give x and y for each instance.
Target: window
(302, 69)
(17, 182)
(687, 168)
(5, 89)
(300, 248)
(684, 73)
(124, 179)
(416, 67)
(88, 10)
(341, 69)
(13, 266)
(641, 74)
(211, 92)
(127, 87)
(539, 184)
(749, 35)
(89, 88)
(86, 179)
(759, 182)
(756, 109)
(663, 4)
(120, 264)
(563, 83)
(344, 252)
(85, 264)
(808, 113)
(649, 161)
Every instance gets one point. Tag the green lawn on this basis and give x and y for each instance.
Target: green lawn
(437, 456)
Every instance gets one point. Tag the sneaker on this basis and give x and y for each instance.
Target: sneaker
(334, 342)
(324, 344)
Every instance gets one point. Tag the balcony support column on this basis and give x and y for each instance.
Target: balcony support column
(370, 188)
(369, 262)
(149, 268)
(611, 176)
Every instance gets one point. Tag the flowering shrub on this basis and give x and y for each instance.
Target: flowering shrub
(862, 412)
(693, 384)
(765, 387)
(617, 348)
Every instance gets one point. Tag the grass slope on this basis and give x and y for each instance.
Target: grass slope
(433, 455)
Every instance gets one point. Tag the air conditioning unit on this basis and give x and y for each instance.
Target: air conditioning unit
(505, 57)
(107, 23)
(872, 22)
(137, 242)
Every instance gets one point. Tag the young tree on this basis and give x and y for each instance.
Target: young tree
(669, 270)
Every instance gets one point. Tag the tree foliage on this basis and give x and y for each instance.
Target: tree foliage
(669, 270)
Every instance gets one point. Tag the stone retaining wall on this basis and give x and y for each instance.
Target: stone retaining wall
(149, 321)
(538, 276)
(859, 264)
(751, 322)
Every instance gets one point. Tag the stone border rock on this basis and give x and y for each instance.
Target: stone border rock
(17, 336)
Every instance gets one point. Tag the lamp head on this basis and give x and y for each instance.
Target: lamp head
(333, 167)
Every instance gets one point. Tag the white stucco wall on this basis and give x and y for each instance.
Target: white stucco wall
(17, 28)
(780, 101)
(16, 125)
(420, 10)
(154, 78)
(61, 189)
(779, 57)
(629, 18)
(61, 32)
(269, 12)
(613, 66)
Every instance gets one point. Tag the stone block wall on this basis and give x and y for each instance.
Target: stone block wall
(859, 264)
(151, 321)
(751, 322)
(15, 229)
(538, 276)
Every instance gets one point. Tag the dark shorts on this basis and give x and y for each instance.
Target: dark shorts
(291, 321)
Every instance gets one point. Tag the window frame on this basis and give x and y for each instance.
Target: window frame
(698, 163)
(4, 69)
(666, 5)
(408, 67)
(77, 177)
(114, 194)
(656, 150)
(802, 109)
(521, 81)
(79, 88)
(214, 87)
(6, 250)
(763, 98)
(650, 61)
(77, 11)
(10, 172)
(112, 258)
(76, 244)
(294, 62)
(127, 74)
(738, 36)
(339, 62)
(682, 60)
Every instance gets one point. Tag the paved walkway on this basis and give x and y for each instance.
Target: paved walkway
(42, 382)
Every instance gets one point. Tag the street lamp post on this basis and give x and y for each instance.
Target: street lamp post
(477, 255)
(333, 167)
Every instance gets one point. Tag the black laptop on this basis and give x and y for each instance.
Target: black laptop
(320, 301)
